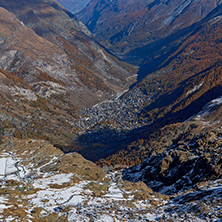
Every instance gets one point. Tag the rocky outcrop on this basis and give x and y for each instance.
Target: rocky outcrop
(181, 166)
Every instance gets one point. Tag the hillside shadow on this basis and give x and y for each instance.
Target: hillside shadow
(169, 98)
(105, 142)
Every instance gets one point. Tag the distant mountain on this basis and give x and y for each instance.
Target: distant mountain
(123, 26)
(74, 6)
(49, 62)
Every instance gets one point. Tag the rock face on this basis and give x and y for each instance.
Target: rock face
(182, 165)
(134, 24)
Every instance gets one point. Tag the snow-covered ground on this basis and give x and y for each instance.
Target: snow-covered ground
(7, 167)
(47, 193)
(3, 205)
(209, 108)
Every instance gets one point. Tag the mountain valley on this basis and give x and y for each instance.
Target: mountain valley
(98, 139)
(174, 90)
(52, 66)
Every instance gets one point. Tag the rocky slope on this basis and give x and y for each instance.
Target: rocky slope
(77, 59)
(51, 65)
(73, 5)
(48, 185)
(183, 158)
(134, 24)
(182, 165)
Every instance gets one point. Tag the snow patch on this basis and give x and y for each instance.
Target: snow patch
(194, 89)
(7, 168)
(3, 202)
(56, 179)
(209, 108)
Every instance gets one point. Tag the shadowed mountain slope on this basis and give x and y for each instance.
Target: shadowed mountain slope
(123, 26)
(190, 75)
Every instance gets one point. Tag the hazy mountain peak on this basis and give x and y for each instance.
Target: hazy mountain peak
(74, 6)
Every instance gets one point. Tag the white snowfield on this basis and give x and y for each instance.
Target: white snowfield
(7, 167)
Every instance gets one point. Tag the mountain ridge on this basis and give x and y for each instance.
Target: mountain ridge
(142, 22)
(62, 68)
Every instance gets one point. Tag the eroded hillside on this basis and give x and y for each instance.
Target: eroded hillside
(51, 67)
